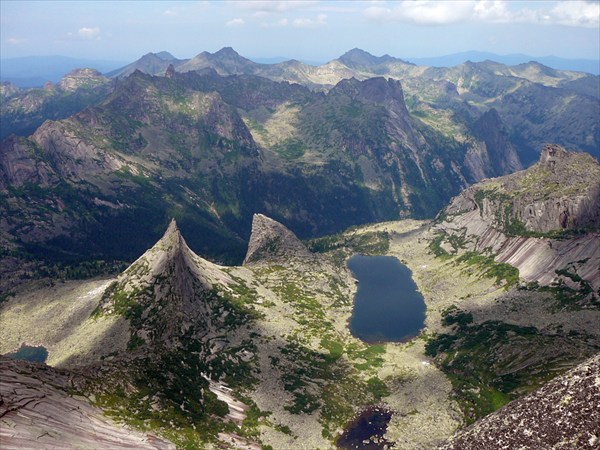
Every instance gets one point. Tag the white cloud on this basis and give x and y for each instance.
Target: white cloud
(491, 11)
(89, 33)
(422, 12)
(577, 13)
(276, 5)
(320, 21)
(280, 23)
(235, 22)
(15, 41)
(170, 13)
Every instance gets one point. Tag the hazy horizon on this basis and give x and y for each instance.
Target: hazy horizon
(317, 31)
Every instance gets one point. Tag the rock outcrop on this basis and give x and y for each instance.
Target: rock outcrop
(19, 164)
(540, 220)
(562, 414)
(36, 411)
(167, 291)
(82, 79)
(560, 192)
(272, 242)
(7, 89)
(498, 155)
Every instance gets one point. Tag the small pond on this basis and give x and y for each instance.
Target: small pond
(366, 431)
(28, 353)
(388, 307)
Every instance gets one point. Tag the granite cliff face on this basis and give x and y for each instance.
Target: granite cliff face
(272, 243)
(500, 155)
(563, 414)
(560, 192)
(19, 165)
(520, 218)
(36, 411)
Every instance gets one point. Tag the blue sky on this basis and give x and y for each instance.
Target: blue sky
(308, 30)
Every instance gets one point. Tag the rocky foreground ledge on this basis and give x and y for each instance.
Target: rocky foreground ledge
(37, 412)
(563, 414)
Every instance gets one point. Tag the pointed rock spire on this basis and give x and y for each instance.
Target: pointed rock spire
(163, 291)
(170, 72)
(273, 242)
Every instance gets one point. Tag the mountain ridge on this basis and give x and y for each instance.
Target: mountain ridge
(520, 219)
(215, 144)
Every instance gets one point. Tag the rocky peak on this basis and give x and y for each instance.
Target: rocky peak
(167, 291)
(170, 255)
(84, 72)
(150, 63)
(228, 52)
(82, 78)
(552, 155)
(170, 72)
(172, 241)
(165, 56)
(377, 90)
(359, 58)
(273, 242)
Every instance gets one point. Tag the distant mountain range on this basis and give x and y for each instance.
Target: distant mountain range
(580, 65)
(213, 139)
(35, 71)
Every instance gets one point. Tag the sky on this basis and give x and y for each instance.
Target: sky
(316, 31)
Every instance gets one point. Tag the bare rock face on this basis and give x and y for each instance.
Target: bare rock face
(7, 89)
(37, 412)
(167, 291)
(518, 216)
(273, 242)
(170, 72)
(19, 164)
(574, 203)
(498, 155)
(560, 192)
(82, 78)
(562, 414)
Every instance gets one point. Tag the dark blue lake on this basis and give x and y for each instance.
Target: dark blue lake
(388, 307)
(28, 353)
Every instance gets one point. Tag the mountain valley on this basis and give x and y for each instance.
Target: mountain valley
(175, 235)
(215, 144)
